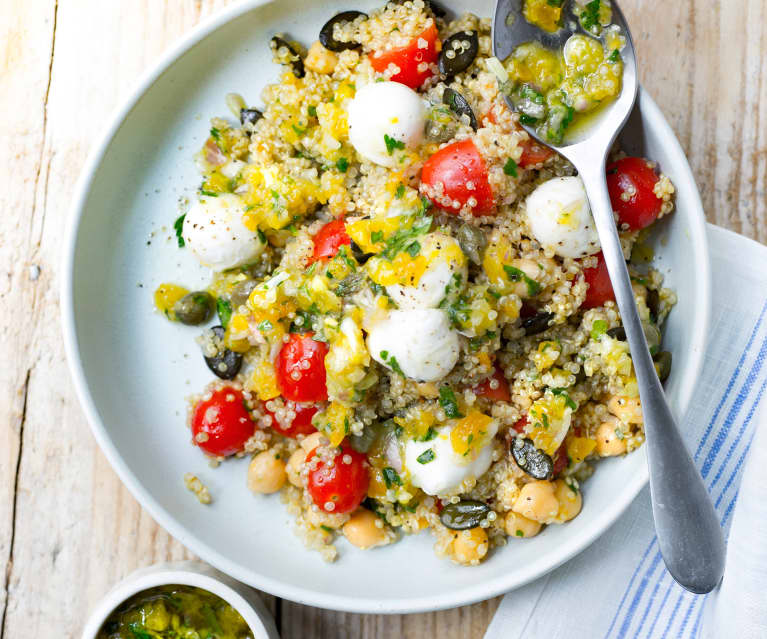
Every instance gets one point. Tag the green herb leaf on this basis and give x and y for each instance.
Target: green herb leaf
(392, 144)
(298, 130)
(400, 191)
(215, 134)
(392, 362)
(178, 225)
(430, 434)
(312, 110)
(327, 529)
(598, 328)
(413, 249)
(569, 401)
(342, 164)
(527, 119)
(376, 236)
(391, 478)
(518, 275)
(519, 533)
(614, 56)
(449, 403)
(138, 631)
(265, 326)
(426, 456)
(590, 15)
(208, 193)
(402, 238)
(224, 310)
(510, 168)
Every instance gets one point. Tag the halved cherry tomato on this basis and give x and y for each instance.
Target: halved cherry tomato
(221, 425)
(329, 239)
(630, 182)
(413, 59)
(600, 287)
(338, 485)
(301, 369)
(499, 394)
(533, 153)
(301, 424)
(447, 175)
(560, 459)
(520, 424)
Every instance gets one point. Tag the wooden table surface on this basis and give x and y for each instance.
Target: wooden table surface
(68, 527)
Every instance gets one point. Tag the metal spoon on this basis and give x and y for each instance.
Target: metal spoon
(687, 527)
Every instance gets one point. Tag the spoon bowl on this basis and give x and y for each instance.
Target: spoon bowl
(689, 535)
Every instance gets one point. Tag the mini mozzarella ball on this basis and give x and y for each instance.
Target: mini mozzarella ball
(215, 233)
(385, 109)
(520, 526)
(447, 469)
(266, 473)
(418, 342)
(559, 217)
(446, 265)
(365, 530)
(537, 501)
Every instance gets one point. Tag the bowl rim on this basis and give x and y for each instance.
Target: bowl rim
(491, 588)
(185, 573)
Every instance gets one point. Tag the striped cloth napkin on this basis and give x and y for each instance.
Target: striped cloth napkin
(619, 587)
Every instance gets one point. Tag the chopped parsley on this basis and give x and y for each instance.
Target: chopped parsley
(518, 275)
(527, 119)
(265, 326)
(590, 15)
(178, 225)
(215, 134)
(426, 456)
(614, 56)
(402, 238)
(449, 403)
(391, 478)
(510, 168)
(376, 236)
(392, 144)
(400, 191)
(224, 310)
(519, 533)
(208, 193)
(312, 110)
(598, 328)
(569, 401)
(430, 434)
(392, 362)
(342, 164)
(261, 236)
(298, 130)
(327, 529)
(413, 249)
(475, 343)
(554, 3)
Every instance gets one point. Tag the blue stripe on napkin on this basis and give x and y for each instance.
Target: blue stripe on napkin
(643, 611)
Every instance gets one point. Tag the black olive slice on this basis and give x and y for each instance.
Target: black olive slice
(225, 364)
(296, 63)
(326, 33)
(250, 116)
(537, 323)
(458, 52)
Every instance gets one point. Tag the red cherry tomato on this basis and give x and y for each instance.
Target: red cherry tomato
(630, 182)
(560, 459)
(445, 176)
(499, 394)
(413, 60)
(221, 425)
(300, 424)
(342, 482)
(533, 153)
(600, 287)
(301, 369)
(329, 240)
(521, 424)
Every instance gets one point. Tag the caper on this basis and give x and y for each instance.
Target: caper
(458, 52)
(296, 62)
(533, 461)
(226, 363)
(250, 116)
(194, 308)
(351, 284)
(663, 365)
(464, 515)
(472, 240)
(241, 292)
(537, 323)
(326, 33)
(459, 105)
(362, 443)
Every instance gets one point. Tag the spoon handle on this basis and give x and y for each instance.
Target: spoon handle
(688, 530)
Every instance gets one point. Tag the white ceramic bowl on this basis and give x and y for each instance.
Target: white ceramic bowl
(133, 369)
(186, 573)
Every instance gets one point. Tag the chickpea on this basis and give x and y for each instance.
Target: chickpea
(310, 442)
(627, 409)
(294, 466)
(365, 530)
(537, 501)
(320, 59)
(266, 473)
(609, 443)
(526, 287)
(520, 526)
(469, 546)
(570, 499)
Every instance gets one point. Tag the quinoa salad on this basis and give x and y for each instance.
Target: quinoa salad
(409, 320)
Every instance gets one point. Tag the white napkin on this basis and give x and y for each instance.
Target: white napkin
(619, 586)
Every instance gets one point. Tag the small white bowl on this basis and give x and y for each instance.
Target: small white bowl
(187, 573)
